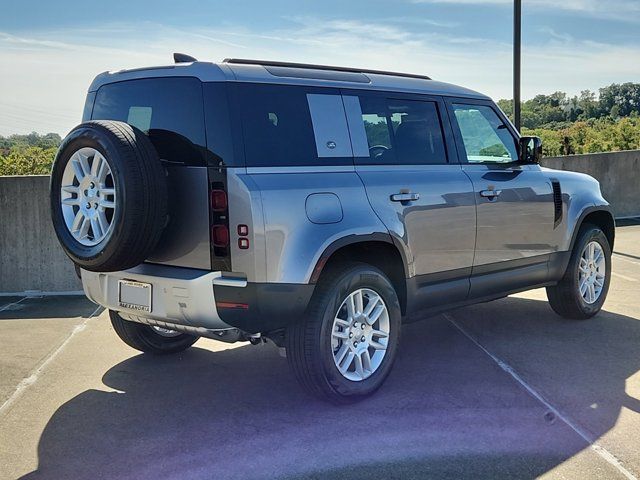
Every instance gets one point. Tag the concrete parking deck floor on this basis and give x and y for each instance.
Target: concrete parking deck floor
(505, 389)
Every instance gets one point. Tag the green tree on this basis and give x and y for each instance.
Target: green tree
(26, 160)
(615, 100)
(620, 99)
(30, 154)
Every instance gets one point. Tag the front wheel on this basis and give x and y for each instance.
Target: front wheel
(148, 339)
(345, 347)
(583, 289)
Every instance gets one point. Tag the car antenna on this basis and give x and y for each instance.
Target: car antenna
(183, 58)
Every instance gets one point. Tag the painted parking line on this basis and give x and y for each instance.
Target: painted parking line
(587, 437)
(624, 277)
(9, 305)
(619, 256)
(35, 374)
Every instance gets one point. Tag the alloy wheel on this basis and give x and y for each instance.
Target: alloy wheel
(592, 272)
(360, 334)
(88, 196)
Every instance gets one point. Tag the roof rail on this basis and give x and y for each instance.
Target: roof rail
(244, 61)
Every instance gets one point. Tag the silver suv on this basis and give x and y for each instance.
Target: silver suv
(316, 207)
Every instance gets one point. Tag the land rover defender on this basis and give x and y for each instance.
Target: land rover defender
(317, 207)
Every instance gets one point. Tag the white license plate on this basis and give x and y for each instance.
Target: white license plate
(134, 295)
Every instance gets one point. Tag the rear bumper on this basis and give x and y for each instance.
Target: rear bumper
(182, 296)
(202, 300)
(262, 307)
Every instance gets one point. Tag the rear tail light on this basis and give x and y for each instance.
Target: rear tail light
(220, 235)
(218, 200)
(242, 306)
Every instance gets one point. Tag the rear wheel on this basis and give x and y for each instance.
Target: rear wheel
(345, 347)
(148, 339)
(583, 289)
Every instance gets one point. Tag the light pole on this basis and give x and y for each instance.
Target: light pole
(517, 38)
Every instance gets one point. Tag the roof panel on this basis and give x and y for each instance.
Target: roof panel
(220, 72)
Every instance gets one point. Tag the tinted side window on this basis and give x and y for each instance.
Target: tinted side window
(220, 141)
(88, 106)
(485, 136)
(403, 132)
(168, 110)
(278, 129)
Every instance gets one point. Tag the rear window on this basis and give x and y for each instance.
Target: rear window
(168, 110)
(278, 128)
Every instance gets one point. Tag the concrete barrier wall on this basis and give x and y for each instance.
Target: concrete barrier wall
(30, 256)
(617, 172)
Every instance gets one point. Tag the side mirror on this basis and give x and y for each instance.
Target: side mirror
(530, 149)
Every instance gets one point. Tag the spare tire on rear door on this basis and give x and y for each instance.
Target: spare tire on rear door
(108, 196)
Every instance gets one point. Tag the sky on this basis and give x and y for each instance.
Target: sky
(51, 50)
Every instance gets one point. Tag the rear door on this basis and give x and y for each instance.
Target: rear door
(515, 208)
(403, 154)
(169, 110)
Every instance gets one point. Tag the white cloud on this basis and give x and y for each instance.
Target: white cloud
(422, 21)
(49, 73)
(624, 10)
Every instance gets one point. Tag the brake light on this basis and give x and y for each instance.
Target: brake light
(220, 235)
(218, 200)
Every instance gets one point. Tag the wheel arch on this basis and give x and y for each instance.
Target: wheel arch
(600, 216)
(376, 249)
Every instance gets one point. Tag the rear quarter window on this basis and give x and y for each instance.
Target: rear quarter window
(168, 110)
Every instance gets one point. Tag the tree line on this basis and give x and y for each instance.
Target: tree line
(30, 154)
(585, 123)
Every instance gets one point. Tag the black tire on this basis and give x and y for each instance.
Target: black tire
(140, 194)
(565, 298)
(308, 342)
(146, 339)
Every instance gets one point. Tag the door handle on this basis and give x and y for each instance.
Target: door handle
(405, 197)
(490, 193)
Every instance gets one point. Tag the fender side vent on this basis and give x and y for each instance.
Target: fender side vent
(557, 202)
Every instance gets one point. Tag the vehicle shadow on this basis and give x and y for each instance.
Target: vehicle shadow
(446, 411)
